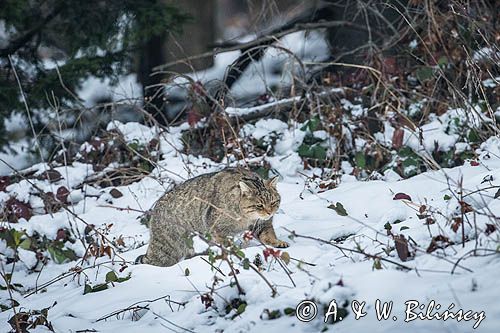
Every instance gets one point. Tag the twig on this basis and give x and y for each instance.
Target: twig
(212, 265)
(122, 208)
(341, 248)
(240, 290)
(136, 306)
(171, 323)
(274, 292)
(269, 37)
(43, 195)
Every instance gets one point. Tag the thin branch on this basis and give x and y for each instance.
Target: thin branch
(263, 40)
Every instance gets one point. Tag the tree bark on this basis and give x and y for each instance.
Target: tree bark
(197, 34)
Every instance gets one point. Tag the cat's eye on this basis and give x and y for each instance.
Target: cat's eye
(260, 206)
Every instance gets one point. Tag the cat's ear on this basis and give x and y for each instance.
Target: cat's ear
(244, 187)
(273, 181)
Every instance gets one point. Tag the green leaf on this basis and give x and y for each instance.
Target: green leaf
(312, 151)
(240, 254)
(377, 264)
(424, 73)
(99, 287)
(187, 272)
(473, 136)
(12, 237)
(60, 255)
(111, 277)
(446, 197)
(312, 124)
(387, 226)
(339, 208)
(303, 150)
(403, 228)
(17, 237)
(442, 61)
(246, 263)
(289, 311)
(360, 160)
(25, 244)
(241, 308)
(87, 289)
(274, 314)
(211, 257)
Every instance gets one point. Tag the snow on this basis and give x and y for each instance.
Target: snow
(491, 82)
(275, 69)
(245, 111)
(94, 89)
(485, 53)
(18, 158)
(356, 110)
(6, 32)
(263, 128)
(305, 210)
(441, 132)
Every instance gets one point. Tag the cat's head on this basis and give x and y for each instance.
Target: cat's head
(259, 198)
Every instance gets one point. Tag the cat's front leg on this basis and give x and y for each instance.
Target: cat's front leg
(268, 236)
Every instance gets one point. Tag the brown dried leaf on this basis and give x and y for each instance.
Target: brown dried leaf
(107, 250)
(61, 235)
(490, 228)
(51, 205)
(390, 65)
(62, 194)
(457, 222)
(193, 117)
(402, 196)
(465, 207)
(154, 144)
(397, 138)
(285, 256)
(16, 209)
(120, 241)
(438, 242)
(429, 221)
(401, 247)
(4, 182)
(115, 193)
(51, 175)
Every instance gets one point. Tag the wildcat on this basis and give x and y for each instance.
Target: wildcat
(222, 204)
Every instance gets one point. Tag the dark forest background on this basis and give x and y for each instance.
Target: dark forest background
(48, 48)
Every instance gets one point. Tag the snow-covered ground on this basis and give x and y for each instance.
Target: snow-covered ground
(359, 264)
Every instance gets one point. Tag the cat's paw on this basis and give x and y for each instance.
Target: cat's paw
(281, 244)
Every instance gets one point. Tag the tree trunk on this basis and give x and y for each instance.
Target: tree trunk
(151, 56)
(197, 35)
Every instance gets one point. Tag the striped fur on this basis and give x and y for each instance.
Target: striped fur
(221, 204)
